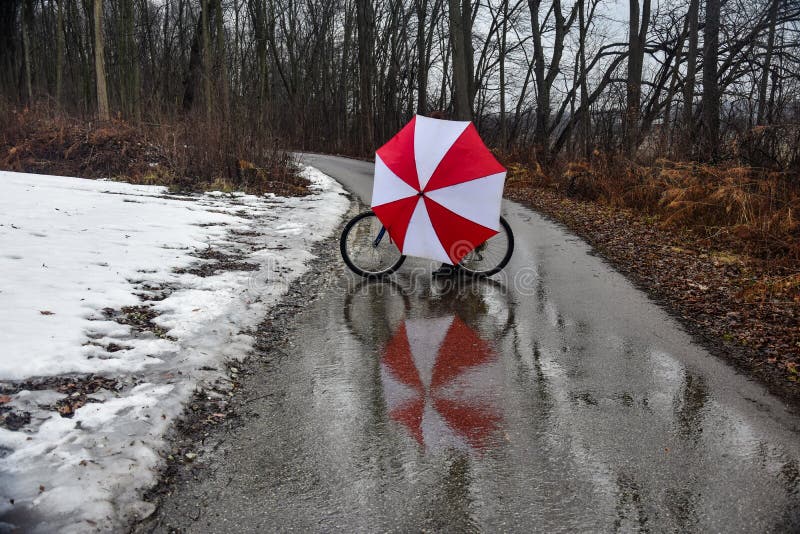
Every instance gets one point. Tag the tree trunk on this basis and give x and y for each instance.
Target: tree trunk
(222, 61)
(9, 33)
(59, 52)
(422, 59)
(689, 82)
(344, 79)
(765, 75)
(584, 110)
(545, 75)
(194, 73)
(711, 96)
(99, 63)
(364, 21)
(469, 59)
(27, 25)
(462, 108)
(129, 57)
(166, 52)
(637, 36)
(258, 23)
(448, 51)
(502, 59)
(85, 44)
(540, 137)
(205, 19)
(667, 120)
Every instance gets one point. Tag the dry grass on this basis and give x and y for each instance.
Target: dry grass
(185, 154)
(750, 210)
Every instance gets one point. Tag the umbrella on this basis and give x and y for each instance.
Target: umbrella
(438, 381)
(438, 189)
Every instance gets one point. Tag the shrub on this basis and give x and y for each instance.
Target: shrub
(186, 154)
(747, 208)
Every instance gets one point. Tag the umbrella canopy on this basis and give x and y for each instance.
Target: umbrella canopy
(439, 379)
(438, 189)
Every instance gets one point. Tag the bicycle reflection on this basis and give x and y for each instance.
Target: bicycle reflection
(439, 381)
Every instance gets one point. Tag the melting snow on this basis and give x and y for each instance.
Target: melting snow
(73, 253)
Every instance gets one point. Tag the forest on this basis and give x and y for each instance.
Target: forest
(652, 106)
(675, 79)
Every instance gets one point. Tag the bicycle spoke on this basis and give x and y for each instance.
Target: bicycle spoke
(366, 246)
(490, 256)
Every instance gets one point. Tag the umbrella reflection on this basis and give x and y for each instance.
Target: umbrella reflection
(439, 379)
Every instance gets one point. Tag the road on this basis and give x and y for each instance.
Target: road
(556, 397)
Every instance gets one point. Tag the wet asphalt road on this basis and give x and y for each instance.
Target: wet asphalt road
(556, 397)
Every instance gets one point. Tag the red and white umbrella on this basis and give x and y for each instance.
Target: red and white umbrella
(439, 381)
(438, 189)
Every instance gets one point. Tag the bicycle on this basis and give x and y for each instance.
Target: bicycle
(369, 251)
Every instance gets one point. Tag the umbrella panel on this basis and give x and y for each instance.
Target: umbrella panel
(438, 189)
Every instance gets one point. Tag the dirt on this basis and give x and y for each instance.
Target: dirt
(76, 389)
(139, 318)
(746, 310)
(13, 420)
(215, 261)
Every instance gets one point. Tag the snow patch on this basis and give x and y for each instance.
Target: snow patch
(74, 256)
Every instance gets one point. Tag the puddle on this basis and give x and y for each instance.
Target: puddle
(437, 379)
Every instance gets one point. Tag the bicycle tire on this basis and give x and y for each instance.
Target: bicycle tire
(503, 262)
(353, 264)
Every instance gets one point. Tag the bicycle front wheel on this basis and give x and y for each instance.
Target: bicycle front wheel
(367, 248)
(492, 255)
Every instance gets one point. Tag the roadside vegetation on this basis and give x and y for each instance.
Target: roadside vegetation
(750, 210)
(186, 155)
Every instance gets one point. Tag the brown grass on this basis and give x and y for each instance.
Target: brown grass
(186, 154)
(750, 210)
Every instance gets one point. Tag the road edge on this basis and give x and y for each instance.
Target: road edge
(202, 427)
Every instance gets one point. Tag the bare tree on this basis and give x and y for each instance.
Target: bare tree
(763, 115)
(637, 37)
(545, 72)
(344, 75)
(27, 23)
(460, 27)
(711, 93)
(691, 69)
(428, 15)
(206, 30)
(60, 52)
(364, 22)
(99, 63)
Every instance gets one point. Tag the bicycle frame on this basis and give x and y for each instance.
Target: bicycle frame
(380, 236)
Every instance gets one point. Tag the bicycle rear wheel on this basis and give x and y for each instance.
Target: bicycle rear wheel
(492, 255)
(367, 248)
